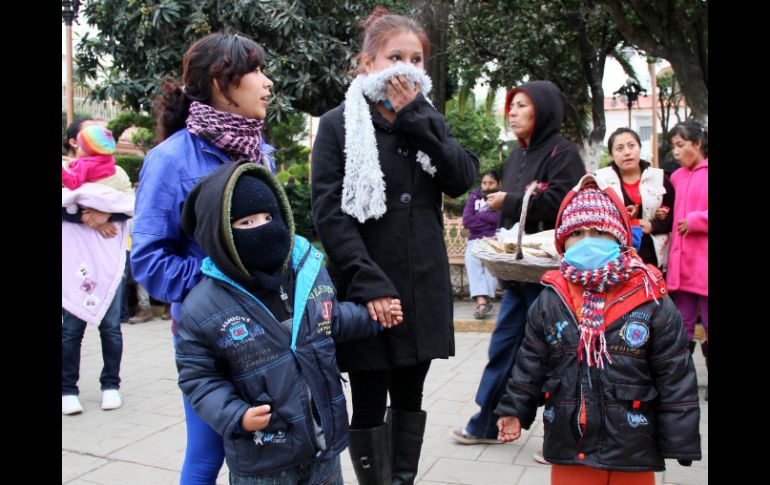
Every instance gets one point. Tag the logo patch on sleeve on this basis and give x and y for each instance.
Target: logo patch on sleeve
(326, 312)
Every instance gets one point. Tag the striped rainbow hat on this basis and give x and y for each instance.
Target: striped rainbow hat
(96, 140)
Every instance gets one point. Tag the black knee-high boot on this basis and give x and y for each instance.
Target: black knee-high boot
(704, 347)
(371, 455)
(408, 428)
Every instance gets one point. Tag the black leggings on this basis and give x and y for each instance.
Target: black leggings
(370, 390)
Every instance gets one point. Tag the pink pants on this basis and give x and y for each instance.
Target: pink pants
(690, 305)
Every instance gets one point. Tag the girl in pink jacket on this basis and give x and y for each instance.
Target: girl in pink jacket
(688, 269)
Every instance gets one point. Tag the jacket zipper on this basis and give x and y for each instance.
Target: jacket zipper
(309, 420)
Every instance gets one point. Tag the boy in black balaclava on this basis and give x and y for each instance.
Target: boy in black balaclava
(255, 340)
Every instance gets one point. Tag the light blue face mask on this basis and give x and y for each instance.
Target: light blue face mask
(591, 253)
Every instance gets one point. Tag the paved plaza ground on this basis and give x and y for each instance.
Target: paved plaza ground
(143, 442)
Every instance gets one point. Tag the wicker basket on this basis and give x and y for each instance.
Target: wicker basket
(518, 266)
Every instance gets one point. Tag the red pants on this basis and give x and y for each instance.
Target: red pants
(583, 475)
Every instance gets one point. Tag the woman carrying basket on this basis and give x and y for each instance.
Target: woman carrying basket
(535, 112)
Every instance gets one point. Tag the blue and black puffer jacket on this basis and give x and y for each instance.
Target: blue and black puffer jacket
(232, 353)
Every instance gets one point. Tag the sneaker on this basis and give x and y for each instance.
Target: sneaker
(141, 317)
(538, 457)
(462, 436)
(111, 399)
(70, 404)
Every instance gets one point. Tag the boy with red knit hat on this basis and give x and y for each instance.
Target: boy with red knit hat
(605, 352)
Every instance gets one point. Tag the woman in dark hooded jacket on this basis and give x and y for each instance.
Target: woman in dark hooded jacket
(535, 112)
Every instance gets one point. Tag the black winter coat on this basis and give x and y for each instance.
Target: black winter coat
(641, 408)
(402, 254)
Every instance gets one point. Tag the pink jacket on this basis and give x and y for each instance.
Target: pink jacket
(688, 265)
(87, 169)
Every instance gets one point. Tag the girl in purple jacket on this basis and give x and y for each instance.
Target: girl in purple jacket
(481, 221)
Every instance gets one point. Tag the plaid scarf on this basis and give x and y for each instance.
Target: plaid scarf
(597, 283)
(239, 137)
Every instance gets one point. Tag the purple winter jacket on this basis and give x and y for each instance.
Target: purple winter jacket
(478, 218)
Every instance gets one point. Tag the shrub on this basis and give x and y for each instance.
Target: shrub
(131, 164)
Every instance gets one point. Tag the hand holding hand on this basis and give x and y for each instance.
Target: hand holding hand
(508, 428)
(379, 310)
(495, 200)
(256, 418)
(399, 93)
(662, 212)
(396, 312)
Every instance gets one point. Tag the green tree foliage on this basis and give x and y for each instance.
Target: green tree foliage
(308, 45)
(563, 41)
(131, 164)
(478, 131)
(299, 199)
(675, 30)
(285, 137)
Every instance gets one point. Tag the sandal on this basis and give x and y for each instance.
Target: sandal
(482, 310)
(478, 314)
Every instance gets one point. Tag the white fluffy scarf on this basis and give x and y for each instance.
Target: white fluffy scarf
(363, 188)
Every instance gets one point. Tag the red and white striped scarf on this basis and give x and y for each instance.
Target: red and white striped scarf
(239, 137)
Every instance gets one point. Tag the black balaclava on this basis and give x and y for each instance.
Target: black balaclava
(262, 249)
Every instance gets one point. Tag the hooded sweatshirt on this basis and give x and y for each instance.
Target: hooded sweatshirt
(549, 158)
(234, 351)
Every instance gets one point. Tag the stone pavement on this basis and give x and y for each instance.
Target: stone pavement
(143, 442)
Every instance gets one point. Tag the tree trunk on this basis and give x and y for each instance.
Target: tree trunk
(434, 17)
(591, 153)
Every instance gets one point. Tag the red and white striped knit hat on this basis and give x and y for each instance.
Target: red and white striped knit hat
(591, 207)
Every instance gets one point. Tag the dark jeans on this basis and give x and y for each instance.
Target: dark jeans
(72, 331)
(503, 347)
(370, 388)
(327, 472)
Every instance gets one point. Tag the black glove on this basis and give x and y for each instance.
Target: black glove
(685, 462)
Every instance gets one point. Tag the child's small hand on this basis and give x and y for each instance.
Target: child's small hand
(681, 227)
(508, 428)
(256, 418)
(396, 313)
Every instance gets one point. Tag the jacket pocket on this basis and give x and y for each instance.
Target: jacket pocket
(634, 410)
(630, 424)
(559, 419)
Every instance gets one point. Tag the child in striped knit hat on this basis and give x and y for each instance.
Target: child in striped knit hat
(606, 353)
(95, 161)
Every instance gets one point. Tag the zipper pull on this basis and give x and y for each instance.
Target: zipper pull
(285, 299)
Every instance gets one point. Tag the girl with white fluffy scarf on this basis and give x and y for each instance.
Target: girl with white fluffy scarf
(381, 163)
